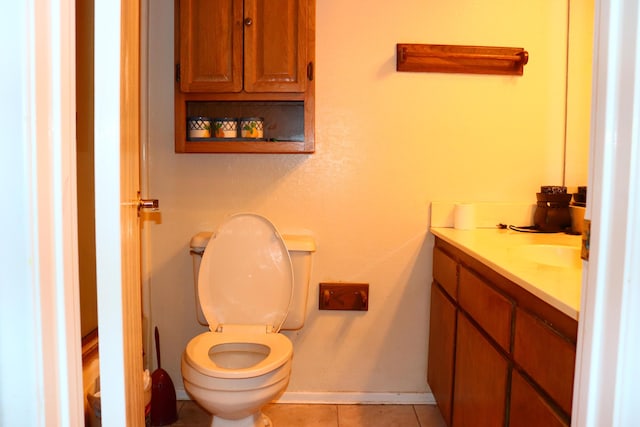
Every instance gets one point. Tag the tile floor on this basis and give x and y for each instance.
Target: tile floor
(294, 415)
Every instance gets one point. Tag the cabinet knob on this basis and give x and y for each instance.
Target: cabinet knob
(248, 22)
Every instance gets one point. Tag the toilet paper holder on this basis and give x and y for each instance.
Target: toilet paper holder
(344, 296)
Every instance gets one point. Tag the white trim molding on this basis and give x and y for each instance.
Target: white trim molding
(607, 369)
(357, 398)
(40, 351)
(345, 398)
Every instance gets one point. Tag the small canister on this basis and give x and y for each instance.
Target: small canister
(199, 127)
(225, 127)
(252, 127)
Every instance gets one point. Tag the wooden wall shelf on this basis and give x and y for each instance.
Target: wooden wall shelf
(461, 59)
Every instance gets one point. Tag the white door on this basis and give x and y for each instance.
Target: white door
(117, 123)
(607, 369)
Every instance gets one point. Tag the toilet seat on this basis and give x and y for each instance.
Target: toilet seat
(245, 276)
(197, 353)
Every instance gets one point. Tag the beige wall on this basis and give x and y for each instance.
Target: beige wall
(387, 144)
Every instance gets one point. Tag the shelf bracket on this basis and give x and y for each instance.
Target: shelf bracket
(461, 59)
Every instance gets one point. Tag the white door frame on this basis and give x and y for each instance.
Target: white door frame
(39, 253)
(40, 351)
(107, 199)
(116, 145)
(607, 368)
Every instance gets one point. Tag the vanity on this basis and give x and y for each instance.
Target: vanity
(503, 327)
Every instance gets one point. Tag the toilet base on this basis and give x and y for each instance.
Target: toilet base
(255, 420)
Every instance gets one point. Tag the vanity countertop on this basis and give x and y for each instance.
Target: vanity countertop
(501, 250)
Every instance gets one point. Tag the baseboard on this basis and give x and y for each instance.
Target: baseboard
(346, 398)
(360, 398)
(181, 394)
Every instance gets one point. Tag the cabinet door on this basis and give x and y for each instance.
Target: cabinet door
(548, 357)
(210, 33)
(275, 49)
(530, 409)
(442, 335)
(480, 387)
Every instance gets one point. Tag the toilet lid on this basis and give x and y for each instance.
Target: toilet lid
(245, 276)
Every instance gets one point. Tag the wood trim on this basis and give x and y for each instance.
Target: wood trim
(90, 345)
(461, 59)
(129, 221)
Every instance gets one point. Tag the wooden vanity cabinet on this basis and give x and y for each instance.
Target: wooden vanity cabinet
(498, 355)
(246, 58)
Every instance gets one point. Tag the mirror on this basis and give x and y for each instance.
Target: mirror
(578, 102)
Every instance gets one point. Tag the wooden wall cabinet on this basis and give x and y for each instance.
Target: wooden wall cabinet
(498, 355)
(246, 58)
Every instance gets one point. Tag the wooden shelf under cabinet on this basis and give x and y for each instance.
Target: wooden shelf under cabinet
(288, 124)
(285, 128)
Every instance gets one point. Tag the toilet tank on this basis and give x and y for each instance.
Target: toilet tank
(300, 248)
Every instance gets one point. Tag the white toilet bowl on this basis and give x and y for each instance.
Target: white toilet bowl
(245, 288)
(233, 375)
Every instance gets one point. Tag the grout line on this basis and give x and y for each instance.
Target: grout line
(415, 413)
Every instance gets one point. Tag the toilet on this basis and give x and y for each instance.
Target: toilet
(251, 283)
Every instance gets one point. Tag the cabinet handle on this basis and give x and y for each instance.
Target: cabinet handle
(248, 22)
(310, 71)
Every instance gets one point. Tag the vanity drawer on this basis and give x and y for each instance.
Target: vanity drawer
(548, 357)
(490, 309)
(445, 272)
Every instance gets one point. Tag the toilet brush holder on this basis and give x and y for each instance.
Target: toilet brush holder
(164, 409)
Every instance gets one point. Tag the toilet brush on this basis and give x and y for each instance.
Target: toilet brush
(163, 393)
